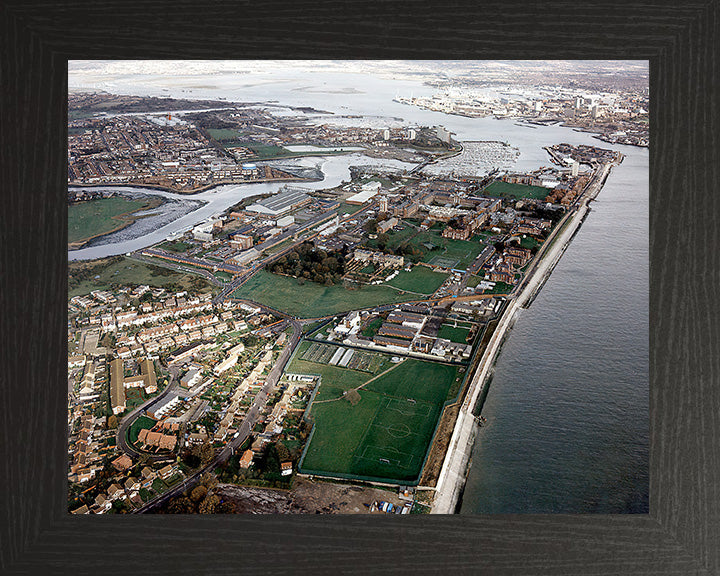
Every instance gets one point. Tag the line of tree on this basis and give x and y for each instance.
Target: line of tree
(202, 499)
(306, 262)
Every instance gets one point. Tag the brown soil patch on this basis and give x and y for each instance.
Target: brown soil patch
(435, 460)
(306, 497)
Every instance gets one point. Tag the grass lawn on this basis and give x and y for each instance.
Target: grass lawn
(176, 246)
(121, 271)
(279, 246)
(159, 486)
(346, 208)
(313, 300)
(419, 279)
(225, 134)
(372, 327)
(310, 329)
(529, 242)
(507, 190)
(175, 479)
(395, 239)
(335, 380)
(474, 281)
(134, 397)
(387, 433)
(97, 217)
(499, 288)
(453, 334)
(142, 423)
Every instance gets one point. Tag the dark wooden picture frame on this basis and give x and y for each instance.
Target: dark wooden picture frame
(680, 535)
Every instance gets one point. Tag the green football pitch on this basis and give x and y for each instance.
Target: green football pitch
(386, 434)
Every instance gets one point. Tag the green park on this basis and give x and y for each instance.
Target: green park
(500, 189)
(313, 300)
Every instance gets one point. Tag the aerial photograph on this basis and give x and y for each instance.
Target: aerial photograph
(358, 287)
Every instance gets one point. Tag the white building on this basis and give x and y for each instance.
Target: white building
(350, 324)
(285, 221)
(203, 232)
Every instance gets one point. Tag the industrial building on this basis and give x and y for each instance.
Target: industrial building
(367, 191)
(286, 199)
(241, 242)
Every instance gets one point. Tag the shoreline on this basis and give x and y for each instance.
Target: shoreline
(453, 474)
(200, 190)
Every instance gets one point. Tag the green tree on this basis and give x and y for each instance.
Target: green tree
(198, 493)
(207, 453)
(209, 504)
(282, 452)
(226, 507)
(208, 480)
(181, 505)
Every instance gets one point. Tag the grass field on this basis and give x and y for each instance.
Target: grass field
(453, 334)
(387, 433)
(499, 288)
(395, 239)
(143, 422)
(230, 138)
(372, 327)
(419, 279)
(346, 208)
(460, 253)
(176, 246)
(225, 134)
(97, 217)
(82, 276)
(507, 190)
(335, 380)
(312, 300)
(529, 242)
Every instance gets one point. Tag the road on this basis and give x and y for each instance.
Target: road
(244, 430)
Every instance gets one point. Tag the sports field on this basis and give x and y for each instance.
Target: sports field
(97, 217)
(508, 190)
(386, 433)
(420, 279)
(312, 300)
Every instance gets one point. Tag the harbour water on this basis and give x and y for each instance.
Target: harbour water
(567, 409)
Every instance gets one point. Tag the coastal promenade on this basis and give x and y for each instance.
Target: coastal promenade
(451, 480)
